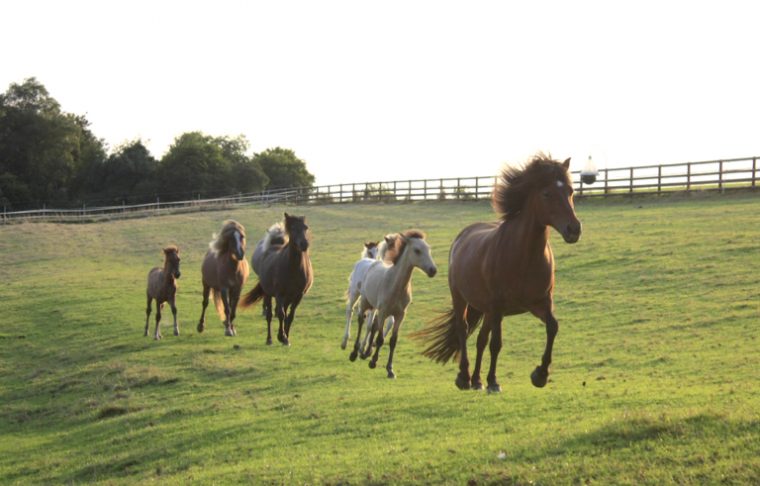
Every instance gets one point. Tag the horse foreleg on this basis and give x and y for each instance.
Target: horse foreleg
(226, 302)
(173, 304)
(370, 335)
(202, 321)
(388, 326)
(268, 314)
(291, 314)
(379, 317)
(540, 375)
(279, 310)
(397, 320)
(234, 298)
(493, 321)
(147, 316)
(157, 333)
(352, 298)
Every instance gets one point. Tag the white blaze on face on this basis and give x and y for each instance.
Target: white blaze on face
(237, 242)
(560, 184)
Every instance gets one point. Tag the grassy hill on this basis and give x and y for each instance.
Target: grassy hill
(655, 373)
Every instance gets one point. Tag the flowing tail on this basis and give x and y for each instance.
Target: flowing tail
(217, 296)
(443, 334)
(253, 296)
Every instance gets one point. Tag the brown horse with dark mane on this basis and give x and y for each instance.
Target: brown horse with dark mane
(162, 286)
(224, 272)
(281, 260)
(506, 268)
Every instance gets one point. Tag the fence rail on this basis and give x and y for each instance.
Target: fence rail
(718, 175)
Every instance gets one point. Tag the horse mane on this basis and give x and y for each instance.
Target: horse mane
(221, 242)
(275, 235)
(171, 249)
(399, 244)
(515, 184)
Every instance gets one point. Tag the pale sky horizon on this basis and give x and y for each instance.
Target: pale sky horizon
(395, 90)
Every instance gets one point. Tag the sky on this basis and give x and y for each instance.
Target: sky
(373, 91)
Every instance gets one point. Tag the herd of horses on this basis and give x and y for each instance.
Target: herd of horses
(495, 270)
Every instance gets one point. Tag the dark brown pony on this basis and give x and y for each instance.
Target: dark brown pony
(506, 268)
(281, 260)
(224, 272)
(162, 286)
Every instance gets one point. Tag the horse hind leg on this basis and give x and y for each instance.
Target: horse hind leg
(459, 323)
(352, 298)
(202, 321)
(397, 320)
(473, 316)
(357, 345)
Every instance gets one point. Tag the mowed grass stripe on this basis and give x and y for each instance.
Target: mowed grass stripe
(653, 381)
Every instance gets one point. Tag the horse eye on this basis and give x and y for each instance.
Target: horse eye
(547, 194)
(417, 251)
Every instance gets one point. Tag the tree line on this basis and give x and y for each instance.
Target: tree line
(50, 157)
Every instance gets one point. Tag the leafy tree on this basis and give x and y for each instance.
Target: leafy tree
(41, 147)
(284, 169)
(129, 174)
(212, 166)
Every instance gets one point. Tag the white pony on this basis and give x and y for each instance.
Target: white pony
(372, 253)
(388, 289)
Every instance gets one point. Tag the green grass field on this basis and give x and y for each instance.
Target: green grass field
(654, 380)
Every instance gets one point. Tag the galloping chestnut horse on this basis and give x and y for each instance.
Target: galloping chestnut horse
(506, 268)
(224, 272)
(162, 286)
(281, 260)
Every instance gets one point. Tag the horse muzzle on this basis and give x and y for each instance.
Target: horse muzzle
(572, 232)
(177, 274)
(431, 272)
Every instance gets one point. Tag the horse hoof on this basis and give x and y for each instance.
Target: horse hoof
(494, 388)
(391, 374)
(286, 342)
(372, 364)
(201, 327)
(476, 385)
(539, 377)
(343, 345)
(228, 333)
(157, 337)
(352, 356)
(269, 341)
(176, 332)
(463, 383)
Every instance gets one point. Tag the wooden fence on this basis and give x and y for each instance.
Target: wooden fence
(717, 175)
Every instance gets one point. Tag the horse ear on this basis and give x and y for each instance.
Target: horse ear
(287, 216)
(566, 163)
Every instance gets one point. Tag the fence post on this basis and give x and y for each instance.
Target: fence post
(477, 189)
(606, 178)
(409, 190)
(659, 179)
(424, 198)
(459, 188)
(630, 181)
(754, 172)
(720, 176)
(688, 177)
